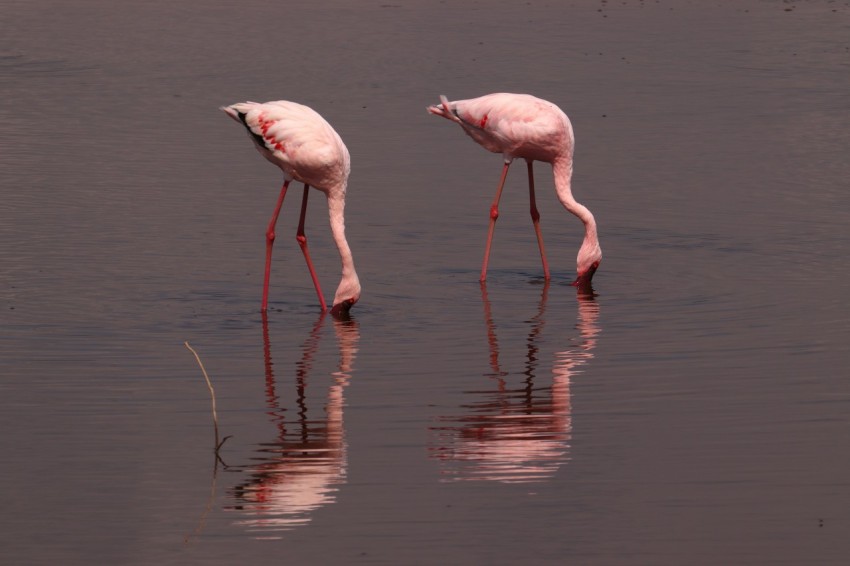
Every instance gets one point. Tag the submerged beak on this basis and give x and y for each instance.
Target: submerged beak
(340, 310)
(583, 279)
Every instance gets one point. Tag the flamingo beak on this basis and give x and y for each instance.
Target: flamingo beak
(583, 279)
(340, 310)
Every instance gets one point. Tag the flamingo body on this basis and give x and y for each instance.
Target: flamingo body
(298, 140)
(307, 149)
(517, 125)
(527, 127)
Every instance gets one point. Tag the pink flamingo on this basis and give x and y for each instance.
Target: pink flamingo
(299, 141)
(520, 125)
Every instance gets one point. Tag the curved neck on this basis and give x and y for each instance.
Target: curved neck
(336, 210)
(562, 170)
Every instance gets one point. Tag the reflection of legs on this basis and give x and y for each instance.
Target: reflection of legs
(535, 217)
(494, 214)
(491, 334)
(302, 241)
(269, 243)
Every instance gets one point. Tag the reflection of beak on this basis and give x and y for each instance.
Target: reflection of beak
(583, 280)
(340, 310)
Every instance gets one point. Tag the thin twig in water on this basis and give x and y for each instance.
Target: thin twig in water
(218, 445)
(212, 396)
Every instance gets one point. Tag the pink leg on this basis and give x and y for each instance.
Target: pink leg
(494, 214)
(269, 243)
(302, 241)
(535, 217)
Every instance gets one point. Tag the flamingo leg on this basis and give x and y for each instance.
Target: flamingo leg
(535, 217)
(302, 241)
(270, 235)
(494, 214)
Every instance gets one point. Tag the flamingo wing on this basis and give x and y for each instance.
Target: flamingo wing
(514, 124)
(297, 139)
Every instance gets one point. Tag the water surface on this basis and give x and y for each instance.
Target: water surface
(691, 410)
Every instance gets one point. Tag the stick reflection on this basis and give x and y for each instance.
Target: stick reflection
(303, 467)
(518, 433)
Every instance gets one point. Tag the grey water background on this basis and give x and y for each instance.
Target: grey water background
(695, 411)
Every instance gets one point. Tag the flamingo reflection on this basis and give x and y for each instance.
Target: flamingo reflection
(303, 467)
(522, 433)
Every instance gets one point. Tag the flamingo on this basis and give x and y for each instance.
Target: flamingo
(299, 141)
(521, 125)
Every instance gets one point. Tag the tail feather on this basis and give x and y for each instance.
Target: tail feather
(230, 111)
(237, 112)
(445, 102)
(444, 109)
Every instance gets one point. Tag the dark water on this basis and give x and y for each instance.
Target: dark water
(694, 411)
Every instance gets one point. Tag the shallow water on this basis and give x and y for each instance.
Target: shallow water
(693, 409)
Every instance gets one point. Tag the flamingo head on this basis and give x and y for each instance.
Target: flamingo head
(347, 294)
(583, 279)
(340, 309)
(589, 258)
